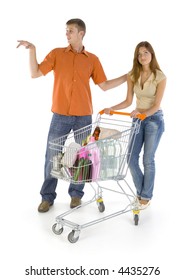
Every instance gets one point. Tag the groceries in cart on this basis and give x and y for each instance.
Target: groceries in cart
(95, 156)
(77, 162)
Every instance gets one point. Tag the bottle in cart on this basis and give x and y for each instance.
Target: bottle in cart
(96, 133)
(111, 159)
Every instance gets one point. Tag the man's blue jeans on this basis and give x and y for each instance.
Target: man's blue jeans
(60, 126)
(148, 138)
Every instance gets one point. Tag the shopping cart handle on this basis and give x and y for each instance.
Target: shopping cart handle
(139, 116)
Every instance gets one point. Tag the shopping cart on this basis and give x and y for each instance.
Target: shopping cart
(93, 154)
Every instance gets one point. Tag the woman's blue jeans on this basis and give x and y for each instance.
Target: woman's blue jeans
(148, 138)
(60, 126)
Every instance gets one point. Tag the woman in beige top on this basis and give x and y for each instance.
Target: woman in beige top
(148, 83)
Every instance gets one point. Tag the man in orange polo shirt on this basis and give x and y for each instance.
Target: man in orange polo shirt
(72, 106)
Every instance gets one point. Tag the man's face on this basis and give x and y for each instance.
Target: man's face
(73, 35)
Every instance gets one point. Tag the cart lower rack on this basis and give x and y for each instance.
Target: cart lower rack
(96, 153)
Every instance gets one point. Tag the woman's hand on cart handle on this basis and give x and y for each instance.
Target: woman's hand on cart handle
(111, 112)
(137, 114)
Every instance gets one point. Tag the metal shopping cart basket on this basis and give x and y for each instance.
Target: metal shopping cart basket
(93, 154)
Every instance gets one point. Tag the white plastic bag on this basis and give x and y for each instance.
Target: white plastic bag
(70, 154)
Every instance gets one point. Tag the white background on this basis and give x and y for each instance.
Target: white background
(114, 28)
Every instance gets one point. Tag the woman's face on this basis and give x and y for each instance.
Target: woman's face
(144, 56)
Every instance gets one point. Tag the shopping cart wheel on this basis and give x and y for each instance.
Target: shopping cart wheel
(136, 219)
(71, 237)
(56, 229)
(101, 207)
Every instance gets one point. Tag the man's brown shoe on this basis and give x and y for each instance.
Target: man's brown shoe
(75, 201)
(44, 206)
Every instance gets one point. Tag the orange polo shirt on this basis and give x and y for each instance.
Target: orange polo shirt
(72, 73)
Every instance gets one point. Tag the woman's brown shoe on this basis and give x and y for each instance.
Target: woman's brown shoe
(143, 204)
